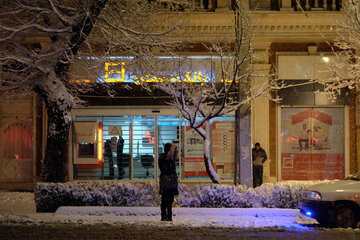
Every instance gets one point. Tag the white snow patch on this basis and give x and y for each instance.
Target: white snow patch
(17, 202)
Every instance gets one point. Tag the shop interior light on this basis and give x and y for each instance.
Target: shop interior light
(308, 213)
(100, 143)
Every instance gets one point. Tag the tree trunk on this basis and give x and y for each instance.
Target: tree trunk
(58, 103)
(205, 134)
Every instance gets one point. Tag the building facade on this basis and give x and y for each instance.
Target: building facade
(306, 136)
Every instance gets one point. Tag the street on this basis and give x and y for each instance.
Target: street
(164, 231)
(18, 220)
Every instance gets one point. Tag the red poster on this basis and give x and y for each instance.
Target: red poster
(312, 143)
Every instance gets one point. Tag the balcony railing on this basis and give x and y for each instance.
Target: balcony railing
(255, 5)
(310, 5)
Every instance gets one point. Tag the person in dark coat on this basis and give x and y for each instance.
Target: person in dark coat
(258, 158)
(168, 180)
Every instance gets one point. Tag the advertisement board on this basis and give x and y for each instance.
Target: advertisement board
(193, 154)
(312, 143)
(223, 137)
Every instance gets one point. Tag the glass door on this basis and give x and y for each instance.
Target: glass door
(143, 144)
(168, 132)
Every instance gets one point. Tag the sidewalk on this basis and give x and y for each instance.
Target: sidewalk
(19, 208)
(220, 217)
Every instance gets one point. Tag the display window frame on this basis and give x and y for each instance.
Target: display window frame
(346, 145)
(101, 112)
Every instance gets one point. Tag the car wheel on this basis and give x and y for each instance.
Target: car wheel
(344, 216)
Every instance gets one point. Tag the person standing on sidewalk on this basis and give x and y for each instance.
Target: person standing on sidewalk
(258, 158)
(168, 180)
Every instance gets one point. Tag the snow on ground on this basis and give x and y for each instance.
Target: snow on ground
(17, 202)
(18, 209)
(221, 217)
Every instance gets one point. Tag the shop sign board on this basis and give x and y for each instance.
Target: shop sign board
(114, 131)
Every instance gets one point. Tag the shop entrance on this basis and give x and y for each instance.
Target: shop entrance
(131, 145)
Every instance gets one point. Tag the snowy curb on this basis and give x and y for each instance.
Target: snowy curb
(155, 211)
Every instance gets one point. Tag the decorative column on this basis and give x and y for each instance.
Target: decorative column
(260, 123)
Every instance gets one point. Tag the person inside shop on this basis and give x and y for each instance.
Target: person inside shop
(258, 158)
(168, 180)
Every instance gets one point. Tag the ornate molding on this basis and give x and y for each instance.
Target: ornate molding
(201, 26)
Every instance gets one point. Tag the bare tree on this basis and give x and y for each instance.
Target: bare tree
(344, 69)
(26, 65)
(41, 40)
(218, 93)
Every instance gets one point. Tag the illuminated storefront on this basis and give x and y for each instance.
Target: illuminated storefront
(313, 130)
(124, 139)
(132, 140)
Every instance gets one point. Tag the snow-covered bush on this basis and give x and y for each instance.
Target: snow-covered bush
(279, 195)
(50, 196)
(210, 196)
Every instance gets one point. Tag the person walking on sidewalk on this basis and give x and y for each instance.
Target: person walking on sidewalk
(168, 180)
(258, 158)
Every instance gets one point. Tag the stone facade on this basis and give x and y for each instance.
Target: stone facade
(260, 5)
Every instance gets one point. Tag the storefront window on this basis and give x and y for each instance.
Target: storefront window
(143, 147)
(129, 144)
(312, 142)
(222, 135)
(115, 162)
(116, 154)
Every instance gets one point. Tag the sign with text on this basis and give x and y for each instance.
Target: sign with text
(193, 154)
(223, 137)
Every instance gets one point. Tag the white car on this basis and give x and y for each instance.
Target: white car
(334, 203)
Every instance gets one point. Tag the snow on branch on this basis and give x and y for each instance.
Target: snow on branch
(344, 67)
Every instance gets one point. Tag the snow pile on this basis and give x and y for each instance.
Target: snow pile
(50, 196)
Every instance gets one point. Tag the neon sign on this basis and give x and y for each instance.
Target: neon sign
(113, 74)
(116, 72)
(100, 143)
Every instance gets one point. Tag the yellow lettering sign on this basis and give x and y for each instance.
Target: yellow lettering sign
(113, 71)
